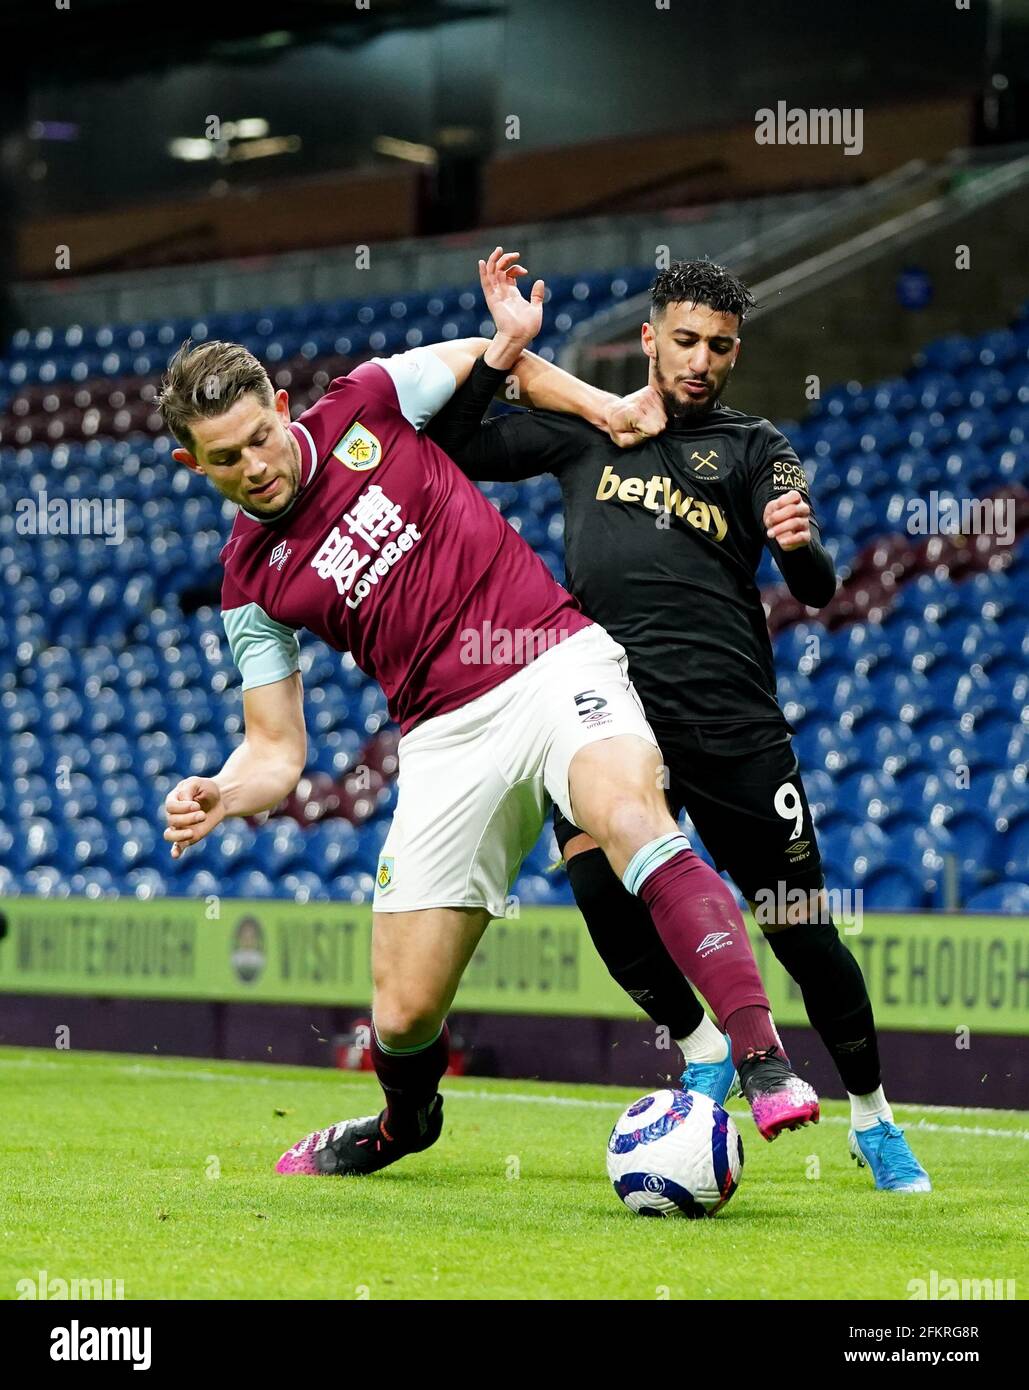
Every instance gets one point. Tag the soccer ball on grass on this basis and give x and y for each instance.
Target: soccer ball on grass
(675, 1153)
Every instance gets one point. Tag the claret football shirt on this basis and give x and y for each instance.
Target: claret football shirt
(389, 552)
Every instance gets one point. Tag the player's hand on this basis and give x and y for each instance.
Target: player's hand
(518, 320)
(193, 809)
(636, 417)
(787, 520)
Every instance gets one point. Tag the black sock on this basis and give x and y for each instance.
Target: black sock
(628, 943)
(835, 997)
(410, 1081)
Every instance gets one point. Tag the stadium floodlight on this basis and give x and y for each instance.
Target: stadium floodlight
(250, 128)
(260, 149)
(405, 149)
(192, 150)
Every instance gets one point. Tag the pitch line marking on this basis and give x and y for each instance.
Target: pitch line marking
(526, 1098)
(980, 1131)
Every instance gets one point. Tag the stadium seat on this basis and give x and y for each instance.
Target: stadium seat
(1001, 897)
(909, 698)
(893, 888)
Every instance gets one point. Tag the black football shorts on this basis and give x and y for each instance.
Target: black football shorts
(749, 807)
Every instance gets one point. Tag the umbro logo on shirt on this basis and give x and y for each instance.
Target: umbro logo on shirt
(714, 941)
(280, 555)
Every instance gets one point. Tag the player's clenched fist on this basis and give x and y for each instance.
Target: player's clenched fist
(193, 809)
(787, 520)
(636, 417)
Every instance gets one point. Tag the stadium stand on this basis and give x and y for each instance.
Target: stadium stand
(909, 693)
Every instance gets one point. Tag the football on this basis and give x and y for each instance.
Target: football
(675, 1153)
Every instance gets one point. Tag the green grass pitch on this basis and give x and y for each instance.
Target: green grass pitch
(159, 1172)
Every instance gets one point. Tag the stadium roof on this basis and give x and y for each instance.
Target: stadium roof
(109, 38)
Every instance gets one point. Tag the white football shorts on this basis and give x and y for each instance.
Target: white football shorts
(475, 784)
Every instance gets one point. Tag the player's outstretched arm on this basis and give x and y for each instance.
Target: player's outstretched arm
(488, 367)
(546, 386)
(484, 368)
(504, 367)
(504, 360)
(256, 776)
(524, 444)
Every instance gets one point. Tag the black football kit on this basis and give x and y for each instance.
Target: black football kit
(662, 546)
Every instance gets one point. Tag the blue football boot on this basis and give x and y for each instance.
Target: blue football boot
(884, 1150)
(715, 1079)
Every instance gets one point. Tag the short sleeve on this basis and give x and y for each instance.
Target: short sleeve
(422, 380)
(264, 651)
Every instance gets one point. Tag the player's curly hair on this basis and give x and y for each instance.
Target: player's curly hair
(207, 380)
(700, 282)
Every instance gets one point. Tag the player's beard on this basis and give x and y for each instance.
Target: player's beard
(686, 412)
(290, 489)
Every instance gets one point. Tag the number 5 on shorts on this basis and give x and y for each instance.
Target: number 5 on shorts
(589, 702)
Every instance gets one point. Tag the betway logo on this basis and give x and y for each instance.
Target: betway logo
(658, 495)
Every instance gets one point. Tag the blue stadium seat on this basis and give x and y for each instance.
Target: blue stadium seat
(304, 886)
(352, 887)
(1014, 847)
(280, 846)
(250, 883)
(330, 848)
(1001, 897)
(893, 888)
(230, 848)
(146, 884)
(202, 884)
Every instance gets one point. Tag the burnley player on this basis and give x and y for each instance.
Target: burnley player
(662, 548)
(355, 525)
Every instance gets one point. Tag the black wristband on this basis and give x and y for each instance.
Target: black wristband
(485, 377)
(457, 425)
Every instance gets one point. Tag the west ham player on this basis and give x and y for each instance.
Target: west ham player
(355, 525)
(662, 547)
